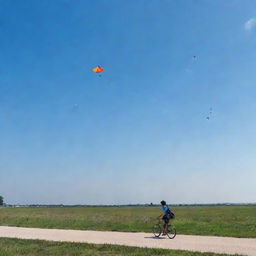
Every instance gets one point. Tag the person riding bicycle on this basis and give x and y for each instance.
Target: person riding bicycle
(168, 214)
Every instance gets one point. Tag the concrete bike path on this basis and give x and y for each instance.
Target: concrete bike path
(228, 245)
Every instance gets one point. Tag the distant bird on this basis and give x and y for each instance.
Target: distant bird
(210, 114)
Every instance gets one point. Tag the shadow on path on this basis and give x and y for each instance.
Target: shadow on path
(154, 237)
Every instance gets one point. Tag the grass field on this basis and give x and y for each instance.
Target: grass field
(17, 247)
(235, 221)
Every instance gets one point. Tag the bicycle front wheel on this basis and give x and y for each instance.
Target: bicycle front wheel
(157, 230)
(171, 232)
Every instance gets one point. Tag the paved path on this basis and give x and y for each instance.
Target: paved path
(245, 246)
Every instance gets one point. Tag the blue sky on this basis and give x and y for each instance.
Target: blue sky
(139, 133)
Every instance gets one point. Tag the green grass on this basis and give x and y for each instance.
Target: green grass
(235, 221)
(17, 247)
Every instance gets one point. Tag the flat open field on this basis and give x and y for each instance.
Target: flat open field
(234, 221)
(17, 247)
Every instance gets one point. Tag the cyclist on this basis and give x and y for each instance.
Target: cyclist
(168, 214)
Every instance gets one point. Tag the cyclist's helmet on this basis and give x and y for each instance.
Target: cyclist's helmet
(163, 202)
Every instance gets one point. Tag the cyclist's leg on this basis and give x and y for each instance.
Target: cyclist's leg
(165, 219)
(168, 220)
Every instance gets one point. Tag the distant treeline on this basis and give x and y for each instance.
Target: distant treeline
(128, 205)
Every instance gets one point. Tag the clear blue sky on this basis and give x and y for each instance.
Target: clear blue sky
(139, 133)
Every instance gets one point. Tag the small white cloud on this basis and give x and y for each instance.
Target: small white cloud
(250, 24)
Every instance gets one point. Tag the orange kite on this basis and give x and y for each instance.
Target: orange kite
(98, 69)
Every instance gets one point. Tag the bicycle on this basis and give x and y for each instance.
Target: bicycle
(158, 229)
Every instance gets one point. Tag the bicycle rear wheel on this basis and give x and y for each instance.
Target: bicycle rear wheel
(171, 232)
(157, 230)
